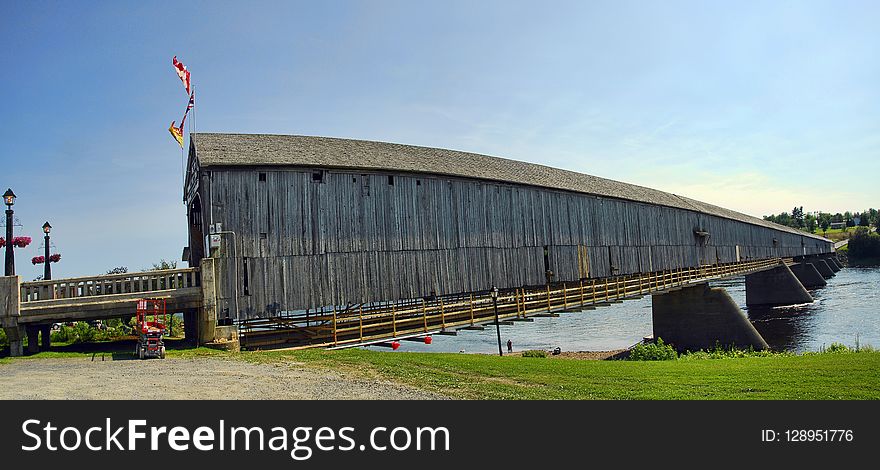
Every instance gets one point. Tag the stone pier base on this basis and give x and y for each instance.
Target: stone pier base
(700, 317)
(10, 311)
(836, 261)
(823, 268)
(45, 337)
(829, 260)
(16, 336)
(808, 275)
(773, 287)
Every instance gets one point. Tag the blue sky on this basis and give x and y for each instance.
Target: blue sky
(755, 106)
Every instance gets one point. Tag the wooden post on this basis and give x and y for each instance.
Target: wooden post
(516, 299)
(564, 297)
(472, 309)
(443, 315)
(361, 322)
(393, 320)
(335, 338)
(548, 298)
(425, 314)
(582, 292)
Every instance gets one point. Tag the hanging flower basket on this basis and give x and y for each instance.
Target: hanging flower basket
(21, 242)
(42, 259)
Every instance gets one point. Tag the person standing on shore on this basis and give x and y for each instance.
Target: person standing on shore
(509, 346)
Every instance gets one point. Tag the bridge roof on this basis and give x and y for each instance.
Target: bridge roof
(214, 149)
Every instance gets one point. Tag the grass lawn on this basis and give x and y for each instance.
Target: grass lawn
(819, 376)
(828, 376)
(836, 234)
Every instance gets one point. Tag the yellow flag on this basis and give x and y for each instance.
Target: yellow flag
(178, 135)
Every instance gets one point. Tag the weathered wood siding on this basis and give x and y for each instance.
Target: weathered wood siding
(309, 238)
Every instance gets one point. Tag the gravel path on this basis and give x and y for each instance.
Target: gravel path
(196, 378)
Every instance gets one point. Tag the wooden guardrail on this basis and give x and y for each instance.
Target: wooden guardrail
(358, 325)
(126, 283)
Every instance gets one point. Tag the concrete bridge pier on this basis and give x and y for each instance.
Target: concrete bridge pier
(823, 268)
(16, 336)
(33, 337)
(832, 259)
(10, 310)
(700, 317)
(207, 315)
(831, 264)
(808, 275)
(190, 326)
(45, 337)
(775, 287)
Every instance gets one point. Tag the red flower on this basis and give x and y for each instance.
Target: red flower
(38, 260)
(55, 258)
(2, 242)
(21, 242)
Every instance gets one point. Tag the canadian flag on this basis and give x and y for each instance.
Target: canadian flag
(183, 73)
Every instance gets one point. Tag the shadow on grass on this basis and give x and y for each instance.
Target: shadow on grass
(119, 349)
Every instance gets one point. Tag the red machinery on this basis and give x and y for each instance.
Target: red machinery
(151, 320)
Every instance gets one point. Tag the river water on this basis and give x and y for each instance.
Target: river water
(847, 310)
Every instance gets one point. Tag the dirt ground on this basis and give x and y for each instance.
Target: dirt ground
(592, 355)
(192, 378)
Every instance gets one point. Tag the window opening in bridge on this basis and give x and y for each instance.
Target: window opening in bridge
(318, 176)
(354, 179)
(262, 177)
(418, 182)
(391, 180)
(246, 290)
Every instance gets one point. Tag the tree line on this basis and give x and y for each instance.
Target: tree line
(812, 221)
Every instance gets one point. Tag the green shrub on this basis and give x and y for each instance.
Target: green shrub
(83, 332)
(4, 341)
(62, 335)
(658, 351)
(534, 353)
(837, 348)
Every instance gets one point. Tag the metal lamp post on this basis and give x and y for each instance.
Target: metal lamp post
(497, 325)
(9, 200)
(47, 269)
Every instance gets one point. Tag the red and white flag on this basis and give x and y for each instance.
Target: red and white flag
(183, 73)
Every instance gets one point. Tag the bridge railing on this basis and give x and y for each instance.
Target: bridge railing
(108, 284)
(357, 325)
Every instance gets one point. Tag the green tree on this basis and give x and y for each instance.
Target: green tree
(825, 222)
(797, 217)
(162, 265)
(810, 222)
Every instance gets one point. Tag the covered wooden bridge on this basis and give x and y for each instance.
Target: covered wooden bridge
(325, 241)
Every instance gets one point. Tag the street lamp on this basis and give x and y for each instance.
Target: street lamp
(497, 325)
(9, 200)
(47, 269)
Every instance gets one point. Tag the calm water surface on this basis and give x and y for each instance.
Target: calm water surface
(845, 311)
